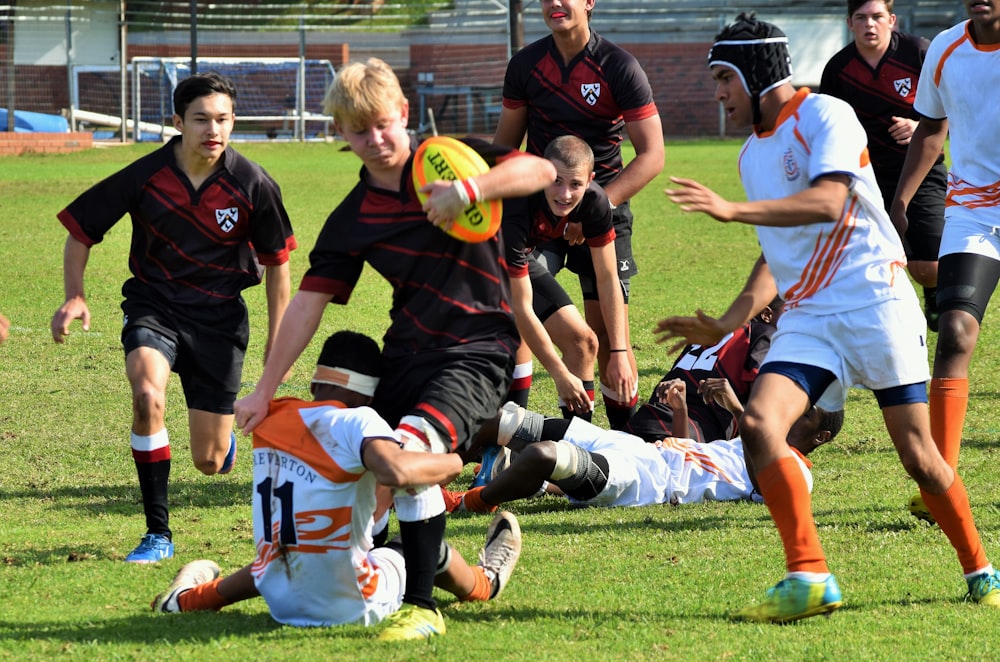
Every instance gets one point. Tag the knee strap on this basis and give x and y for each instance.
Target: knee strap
(590, 477)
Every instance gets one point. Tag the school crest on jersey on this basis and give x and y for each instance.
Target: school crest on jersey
(227, 218)
(591, 92)
(790, 165)
(903, 86)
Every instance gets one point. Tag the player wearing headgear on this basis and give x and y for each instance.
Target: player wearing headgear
(321, 474)
(851, 315)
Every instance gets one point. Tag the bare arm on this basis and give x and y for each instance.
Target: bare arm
(511, 128)
(568, 386)
(647, 139)
(278, 286)
(925, 146)
(395, 467)
(757, 293)
(299, 323)
(75, 256)
(822, 202)
(674, 394)
(612, 301)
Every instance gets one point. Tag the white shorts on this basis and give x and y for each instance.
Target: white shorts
(391, 568)
(964, 235)
(875, 347)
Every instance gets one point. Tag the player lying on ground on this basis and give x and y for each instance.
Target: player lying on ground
(598, 467)
(734, 360)
(322, 473)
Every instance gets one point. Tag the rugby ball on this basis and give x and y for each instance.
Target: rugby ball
(444, 158)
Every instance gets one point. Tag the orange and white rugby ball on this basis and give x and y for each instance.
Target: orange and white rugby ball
(444, 158)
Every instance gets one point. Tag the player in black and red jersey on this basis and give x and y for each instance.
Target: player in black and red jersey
(204, 220)
(703, 368)
(578, 83)
(545, 313)
(877, 74)
(450, 346)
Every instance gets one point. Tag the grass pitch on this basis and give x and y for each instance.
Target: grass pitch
(644, 583)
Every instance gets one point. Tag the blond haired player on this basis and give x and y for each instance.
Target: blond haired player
(451, 342)
(959, 81)
(851, 316)
(321, 475)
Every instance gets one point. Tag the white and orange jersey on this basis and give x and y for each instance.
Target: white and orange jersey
(838, 265)
(313, 503)
(713, 472)
(958, 83)
(671, 471)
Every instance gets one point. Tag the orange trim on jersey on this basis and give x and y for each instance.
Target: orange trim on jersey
(367, 575)
(284, 430)
(802, 457)
(826, 258)
(866, 158)
(978, 196)
(694, 457)
(947, 52)
(790, 109)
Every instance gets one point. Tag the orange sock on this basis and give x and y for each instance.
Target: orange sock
(203, 597)
(949, 398)
(474, 503)
(787, 497)
(483, 589)
(952, 513)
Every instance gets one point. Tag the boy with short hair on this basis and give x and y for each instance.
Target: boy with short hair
(574, 197)
(204, 221)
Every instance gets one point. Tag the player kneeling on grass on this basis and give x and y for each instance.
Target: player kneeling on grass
(851, 315)
(596, 467)
(322, 473)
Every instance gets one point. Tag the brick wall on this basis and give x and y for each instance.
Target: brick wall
(12, 144)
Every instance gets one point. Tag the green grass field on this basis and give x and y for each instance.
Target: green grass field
(644, 583)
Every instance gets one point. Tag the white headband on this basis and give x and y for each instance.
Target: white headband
(349, 379)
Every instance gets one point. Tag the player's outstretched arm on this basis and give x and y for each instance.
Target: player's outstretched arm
(568, 386)
(299, 323)
(620, 375)
(75, 256)
(702, 329)
(822, 202)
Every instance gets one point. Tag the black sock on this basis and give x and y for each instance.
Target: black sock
(153, 480)
(421, 549)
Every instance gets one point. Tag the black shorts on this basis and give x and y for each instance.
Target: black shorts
(547, 295)
(925, 214)
(457, 390)
(554, 255)
(205, 347)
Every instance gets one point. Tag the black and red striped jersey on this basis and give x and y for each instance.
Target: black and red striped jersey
(877, 94)
(530, 221)
(736, 358)
(447, 293)
(191, 247)
(592, 98)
